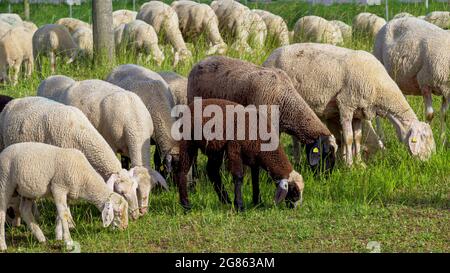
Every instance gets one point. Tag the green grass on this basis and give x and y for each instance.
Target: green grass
(398, 201)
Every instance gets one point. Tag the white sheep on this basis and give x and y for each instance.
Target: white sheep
(63, 175)
(234, 22)
(30, 26)
(155, 94)
(16, 49)
(53, 40)
(72, 24)
(83, 38)
(195, 19)
(316, 29)
(277, 29)
(345, 29)
(123, 16)
(165, 21)
(119, 116)
(402, 14)
(37, 119)
(177, 85)
(367, 25)
(141, 38)
(344, 87)
(416, 55)
(4, 27)
(11, 19)
(439, 18)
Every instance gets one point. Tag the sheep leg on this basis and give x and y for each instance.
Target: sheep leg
(26, 211)
(6, 194)
(187, 154)
(357, 135)
(29, 67)
(52, 58)
(213, 170)
(60, 199)
(444, 109)
(347, 131)
(16, 71)
(428, 101)
(237, 170)
(296, 150)
(255, 185)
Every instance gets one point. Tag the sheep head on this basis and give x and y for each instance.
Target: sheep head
(124, 184)
(115, 212)
(321, 154)
(295, 192)
(144, 185)
(181, 55)
(420, 141)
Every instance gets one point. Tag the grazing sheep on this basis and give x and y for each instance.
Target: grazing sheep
(316, 29)
(155, 94)
(345, 29)
(72, 24)
(402, 14)
(16, 49)
(367, 25)
(4, 100)
(415, 54)
(177, 85)
(62, 174)
(234, 22)
(237, 152)
(142, 38)
(4, 28)
(439, 18)
(195, 19)
(37, 119)
(277, 29)
(345, 87)
(30, 26)
(53, 40)
(83, 38)
(258, 30)
(119, 116)
(123, 16)
(165, 20)
(246, 83)
(11, 19)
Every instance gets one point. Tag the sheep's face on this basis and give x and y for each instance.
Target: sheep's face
(123, 184)
(295, 192)
(144, 185)
(321, 154)
(115, 212)
(181, 55)
(420, 140)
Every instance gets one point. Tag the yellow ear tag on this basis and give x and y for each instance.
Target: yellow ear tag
(161, 168)
(315, 150)
(413, 140)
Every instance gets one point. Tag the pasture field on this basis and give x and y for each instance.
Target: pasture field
(402, 203)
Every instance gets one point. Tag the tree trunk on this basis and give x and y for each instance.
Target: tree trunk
(26, 8)
(103, 32)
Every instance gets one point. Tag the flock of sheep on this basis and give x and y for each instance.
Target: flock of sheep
(63, 142)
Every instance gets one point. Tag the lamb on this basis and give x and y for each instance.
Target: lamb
(439, 18)
(316, 29)
(16, 49)
(53, 40)
(67, 176)
(155, 94)
(238, 152)
(277, 29)
(367, 25)
(249, 84)
(83, 38)
(177, 85)
(123, 16)
(345, 29)
(72, 24)
(12, 19)
(119, 116)
(234, 22)
(415, 54)
(37, 119)
(195, 19)
(165, 21)
(142, 38)
(344, 87)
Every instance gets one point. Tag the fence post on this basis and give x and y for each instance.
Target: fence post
(387, 9)
(103, 32)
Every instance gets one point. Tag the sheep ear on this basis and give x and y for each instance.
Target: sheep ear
(157, 178)
(107, 214)
(282, 190)
(111, 181)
